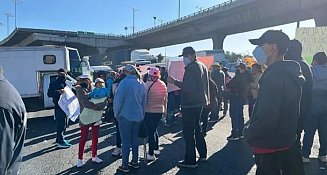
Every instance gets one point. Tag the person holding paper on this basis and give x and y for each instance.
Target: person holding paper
(56, 88)
(194, 96)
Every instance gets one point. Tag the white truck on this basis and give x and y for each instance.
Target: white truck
(142, 55)
(31, 69)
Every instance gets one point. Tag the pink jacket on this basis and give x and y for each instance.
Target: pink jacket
(157, 97)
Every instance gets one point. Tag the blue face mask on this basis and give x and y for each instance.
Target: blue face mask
(260, 55)
(186, 61)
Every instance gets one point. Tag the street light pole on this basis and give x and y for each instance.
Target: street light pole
(16, 2)
(179, 9)
(8, 16)
(134, 9)
(154, 21)
(126, 28)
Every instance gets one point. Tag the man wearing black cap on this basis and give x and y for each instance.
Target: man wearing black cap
(56, 88)
(273, 126)
(194, 96)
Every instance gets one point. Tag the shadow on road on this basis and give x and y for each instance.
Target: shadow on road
(235, 158)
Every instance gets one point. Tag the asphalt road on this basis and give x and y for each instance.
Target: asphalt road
(42, 157)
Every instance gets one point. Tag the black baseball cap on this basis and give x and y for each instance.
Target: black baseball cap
(62, 71)
(273, 37)
(187, 51)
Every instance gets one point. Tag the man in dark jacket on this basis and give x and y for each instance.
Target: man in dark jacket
(240, 88)
(56, 88)
(294, 53)
(194, 96)
(273, 126)
(218, 76)
(12, 127)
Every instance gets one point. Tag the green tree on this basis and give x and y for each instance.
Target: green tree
(233, 57)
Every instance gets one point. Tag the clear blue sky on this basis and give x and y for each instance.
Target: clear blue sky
(111, 16)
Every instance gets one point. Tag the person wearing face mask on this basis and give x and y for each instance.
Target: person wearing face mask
(194, 96)
(82, 90)
(272, 129)
(56, 88)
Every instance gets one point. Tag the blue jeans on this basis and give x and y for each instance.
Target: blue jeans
(152, 120)
(129, 134)
(236, 114)
(61, 121)
(316, 119)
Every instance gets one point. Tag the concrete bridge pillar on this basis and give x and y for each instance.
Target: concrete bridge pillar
(218, 41)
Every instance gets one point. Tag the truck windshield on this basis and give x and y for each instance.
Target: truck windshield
(75, 63)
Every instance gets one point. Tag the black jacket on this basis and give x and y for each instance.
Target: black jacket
(195, 86)
(240, 84)
(53, 90)
(218, 77)
(306, 91)
(274, 121)
(12, 128)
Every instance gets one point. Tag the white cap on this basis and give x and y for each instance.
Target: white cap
(85, 76)
(98, 80)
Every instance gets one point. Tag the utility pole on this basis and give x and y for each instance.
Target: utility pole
(154, 21)
(16, 2)
(179, 9)
(1, 25)
(8, 16)
(134, 10)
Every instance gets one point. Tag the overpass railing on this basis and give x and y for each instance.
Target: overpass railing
(220, 7)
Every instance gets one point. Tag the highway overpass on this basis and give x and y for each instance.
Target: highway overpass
(217, 22)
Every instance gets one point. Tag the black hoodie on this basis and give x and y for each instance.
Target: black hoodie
(274, 121)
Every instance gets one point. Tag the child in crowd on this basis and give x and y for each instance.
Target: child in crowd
(100, 92)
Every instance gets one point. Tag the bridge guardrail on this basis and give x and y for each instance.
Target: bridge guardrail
(222, 6)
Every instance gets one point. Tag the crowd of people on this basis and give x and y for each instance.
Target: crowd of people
(285, 96)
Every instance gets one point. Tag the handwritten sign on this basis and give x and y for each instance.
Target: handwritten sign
(313, 39)
(68, 102)
(176, 69)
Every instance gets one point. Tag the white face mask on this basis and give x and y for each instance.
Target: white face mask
(260, 55)
(186, 61)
